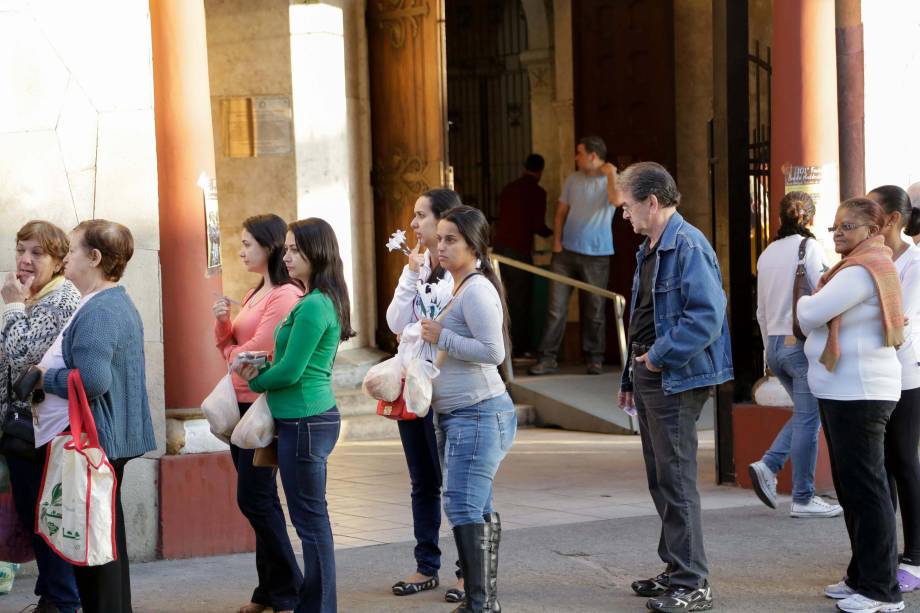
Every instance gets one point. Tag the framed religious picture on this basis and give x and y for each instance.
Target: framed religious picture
(212, 222)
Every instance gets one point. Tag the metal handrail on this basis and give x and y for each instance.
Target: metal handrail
(619, 302)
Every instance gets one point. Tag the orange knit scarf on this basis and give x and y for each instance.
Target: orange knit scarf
(875, 257)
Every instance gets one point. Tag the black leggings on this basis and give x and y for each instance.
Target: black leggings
(903, 465)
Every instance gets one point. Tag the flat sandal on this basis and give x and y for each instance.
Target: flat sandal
(402, 588)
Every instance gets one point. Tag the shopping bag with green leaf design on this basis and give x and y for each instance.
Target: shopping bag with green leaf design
(76, 507)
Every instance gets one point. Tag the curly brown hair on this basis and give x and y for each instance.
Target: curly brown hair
(52, 239)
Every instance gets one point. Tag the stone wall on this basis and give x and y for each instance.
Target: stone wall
(76, 143)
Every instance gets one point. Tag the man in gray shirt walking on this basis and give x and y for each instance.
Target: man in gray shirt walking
(582, 248)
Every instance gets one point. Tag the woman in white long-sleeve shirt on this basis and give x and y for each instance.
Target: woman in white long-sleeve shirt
(476, 421)
(418, 438)
(776, 269)
(902, 436)
(853, 323)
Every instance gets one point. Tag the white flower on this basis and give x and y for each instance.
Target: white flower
(397, 242)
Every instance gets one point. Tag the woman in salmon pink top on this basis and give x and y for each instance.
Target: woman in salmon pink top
(252, 330)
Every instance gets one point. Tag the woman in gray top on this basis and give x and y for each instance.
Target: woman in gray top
(475, 416)
(38, 302)
(105, 342)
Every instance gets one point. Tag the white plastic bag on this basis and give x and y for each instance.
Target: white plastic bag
(417, 391)
(384, 381)
(257, 427)
(221, 409)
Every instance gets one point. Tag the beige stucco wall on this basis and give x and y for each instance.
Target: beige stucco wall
(284, 48)
(77, 142)
(249, 54)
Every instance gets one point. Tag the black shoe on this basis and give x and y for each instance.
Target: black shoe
(473, 544)
(682, 598)
(544, 367)
(653, 587)
(402, 588)
(595, 368)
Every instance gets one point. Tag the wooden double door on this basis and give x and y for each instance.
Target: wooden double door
(406, 55)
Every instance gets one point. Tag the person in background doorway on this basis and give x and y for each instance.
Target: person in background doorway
(521, 215)
(776, 269)
(582, 246)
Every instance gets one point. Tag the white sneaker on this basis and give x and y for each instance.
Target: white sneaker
(857, 603)
(764, 481)
(839, 591)
(816, 507)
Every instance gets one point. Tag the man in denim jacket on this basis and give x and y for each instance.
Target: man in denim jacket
(679, 348)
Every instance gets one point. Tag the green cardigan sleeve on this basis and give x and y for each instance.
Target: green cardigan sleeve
(310, 323)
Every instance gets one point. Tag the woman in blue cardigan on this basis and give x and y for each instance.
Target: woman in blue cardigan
(105, 342)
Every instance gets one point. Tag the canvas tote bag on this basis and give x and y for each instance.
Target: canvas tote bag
(75, 513)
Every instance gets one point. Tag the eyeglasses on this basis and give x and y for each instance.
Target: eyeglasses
(849, 227)
(627, 208)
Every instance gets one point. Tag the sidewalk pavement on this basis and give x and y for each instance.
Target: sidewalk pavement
(579, 527)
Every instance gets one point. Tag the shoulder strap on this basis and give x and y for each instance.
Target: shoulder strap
(802, 246)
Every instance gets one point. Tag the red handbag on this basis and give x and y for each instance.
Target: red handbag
(397, 409)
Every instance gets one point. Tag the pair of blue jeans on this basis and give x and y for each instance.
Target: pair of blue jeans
(799, 437)
(420, 446)
(56, 583)
(472, 442)
(257, 497)
(304, 446)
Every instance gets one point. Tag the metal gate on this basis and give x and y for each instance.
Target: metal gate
(759, 177)
(488, 98)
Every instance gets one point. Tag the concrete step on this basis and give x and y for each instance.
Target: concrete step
(351, 366)
(358, 426)
(583, 402)
(352, 402)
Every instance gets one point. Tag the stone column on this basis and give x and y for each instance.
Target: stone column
(564, 102)
(851, 98)
(544, 136)
(804, 102)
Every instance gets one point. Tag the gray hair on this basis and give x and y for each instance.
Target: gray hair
(914, 192)
(646, 179)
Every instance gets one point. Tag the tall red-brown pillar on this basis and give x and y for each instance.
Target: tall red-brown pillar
(804, 131)
(185, 149)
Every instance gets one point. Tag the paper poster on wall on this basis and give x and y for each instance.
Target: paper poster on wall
(272, 121)
(822, 184)
(212, 222)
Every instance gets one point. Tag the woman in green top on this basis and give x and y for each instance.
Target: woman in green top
(298, 385)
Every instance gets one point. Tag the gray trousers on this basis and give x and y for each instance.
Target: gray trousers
(667, 425)
(593, 269)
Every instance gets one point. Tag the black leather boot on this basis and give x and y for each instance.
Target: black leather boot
(473, 543)
(495, 539)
